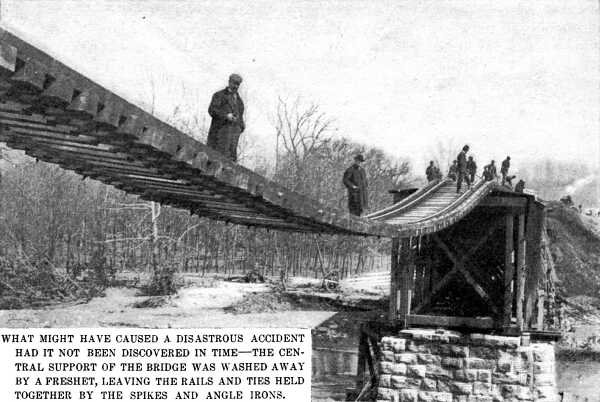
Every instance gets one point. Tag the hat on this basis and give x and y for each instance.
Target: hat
(235, 78)
(359, 157)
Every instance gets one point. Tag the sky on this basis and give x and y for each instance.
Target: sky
(518, 78)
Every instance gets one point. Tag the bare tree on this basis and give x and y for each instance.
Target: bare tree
(301, 131)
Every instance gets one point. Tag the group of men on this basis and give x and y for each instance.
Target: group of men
(227, 112)
(464, 168)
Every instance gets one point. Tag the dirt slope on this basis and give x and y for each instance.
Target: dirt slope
(575, 249)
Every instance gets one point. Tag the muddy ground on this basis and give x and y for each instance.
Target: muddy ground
(214, 302)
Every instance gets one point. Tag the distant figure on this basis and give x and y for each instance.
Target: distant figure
(580, 208)
(227, 112)
(431, 172)
(489, 171)
(520, 187)
(453, 171)
(355, 180)
(567, 200)
(438, 174)
(504, 168)
(461, 164)
(471, 170)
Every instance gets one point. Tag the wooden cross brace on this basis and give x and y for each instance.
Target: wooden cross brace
(459, 267)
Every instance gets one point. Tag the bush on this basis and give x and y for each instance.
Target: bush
(162, 283)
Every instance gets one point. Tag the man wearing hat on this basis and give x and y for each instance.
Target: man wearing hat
(520, 187)
(489, 171)
(504, 169)
(355, 180)
(461, 165)
(430, 172)
(227, 112)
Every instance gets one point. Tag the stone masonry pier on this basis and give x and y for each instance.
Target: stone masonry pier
(423, 365)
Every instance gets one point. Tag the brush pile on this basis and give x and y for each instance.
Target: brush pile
(32, 284)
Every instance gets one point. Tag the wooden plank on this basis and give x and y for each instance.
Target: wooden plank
(8, 59)
(426, 287)
(59, 93)
(411, 275)
(11, 122)
(395, 279)
(7, 112)
(86, 105)
(363, 350)
(31, 76)
(404, 305)
(451, 321)
(521, 267)
(204, 201)
(503, 201)
(540, 310)
(508, 271)
(49, 135)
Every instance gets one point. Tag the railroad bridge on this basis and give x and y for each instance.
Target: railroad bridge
(57, 115)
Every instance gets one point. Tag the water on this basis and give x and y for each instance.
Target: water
(334, 371)
(580, 380)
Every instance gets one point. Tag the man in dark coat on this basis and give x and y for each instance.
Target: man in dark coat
(520, 187)
(471, 170)
(504, 168)
(489, 171)
(227, 112)
(355, 180)
(431, 172)
(453, 171)
(461, 167)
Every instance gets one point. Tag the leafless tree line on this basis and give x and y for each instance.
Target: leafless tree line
(82, 226)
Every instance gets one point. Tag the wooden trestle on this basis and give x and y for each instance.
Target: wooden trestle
(474, 273)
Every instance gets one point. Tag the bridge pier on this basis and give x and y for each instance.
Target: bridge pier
(441, 365)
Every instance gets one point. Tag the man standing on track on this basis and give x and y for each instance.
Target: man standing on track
(471, 170)
(227, 112)
(355, 180)
(504, 169)
(461, 165)
(430, 172)
(452, 172)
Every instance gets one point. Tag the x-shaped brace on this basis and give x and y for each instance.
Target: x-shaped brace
(459, 267)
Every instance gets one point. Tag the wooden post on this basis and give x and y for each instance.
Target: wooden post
(508, 271)
(411, 275)
(540, 310)
(363, 350)
(396, 277)
(407, 267)
(403, 296)
(521, 267)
